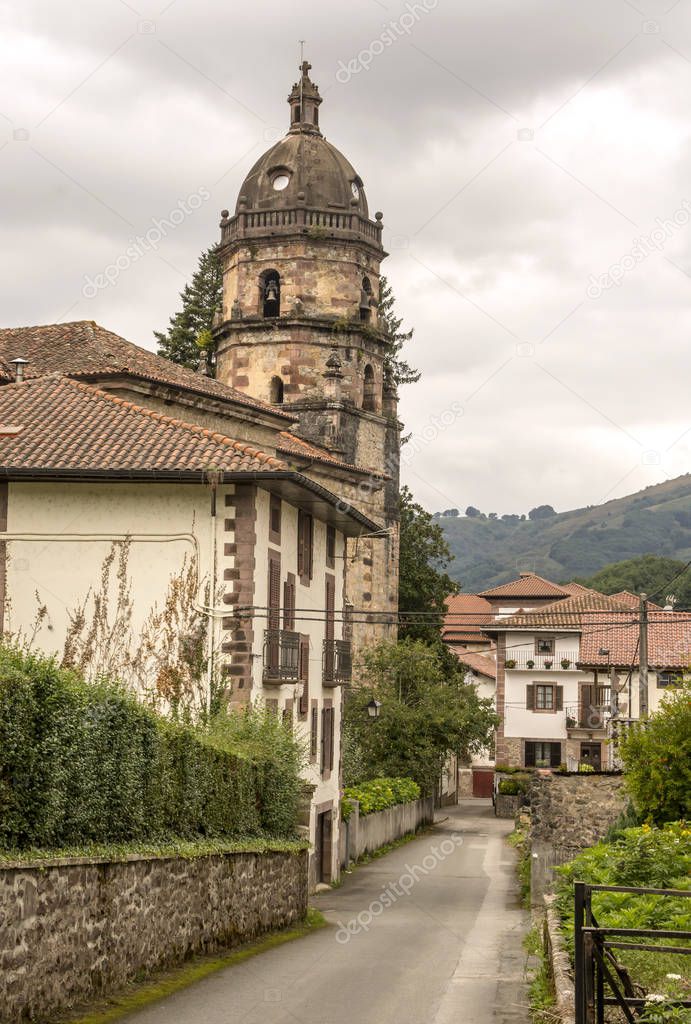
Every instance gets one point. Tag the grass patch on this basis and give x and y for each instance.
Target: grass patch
(185, 848)
(159, 986)
(540, 987)
(519, 839)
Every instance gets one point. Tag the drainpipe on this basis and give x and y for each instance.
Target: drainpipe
(213, 477)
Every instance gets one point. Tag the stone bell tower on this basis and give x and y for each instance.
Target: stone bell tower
(299, 328)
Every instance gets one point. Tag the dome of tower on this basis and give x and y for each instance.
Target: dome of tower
(303, 168)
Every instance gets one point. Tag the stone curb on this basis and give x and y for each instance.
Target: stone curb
(560, 965)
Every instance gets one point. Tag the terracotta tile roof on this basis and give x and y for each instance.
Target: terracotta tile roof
(669, 642)
(633, 601)
(482, 664)
(575, 588)
(68, 425)
(290, 444)
(568, 614)
(528, 585)
(465, 615)
(84, 349)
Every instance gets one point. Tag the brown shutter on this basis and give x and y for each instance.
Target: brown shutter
(309, 546)
(559, 706)
(305, 674)
(331, 546)
(314, 730)
(274, 615)
(529, 757)
(555, 755)
(327, 759)
(301, 542)
(530, 698)
(289, 602)
(330, 607)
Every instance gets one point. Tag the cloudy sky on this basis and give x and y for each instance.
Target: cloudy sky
(532, 160)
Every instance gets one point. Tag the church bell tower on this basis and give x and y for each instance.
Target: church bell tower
(299, 328)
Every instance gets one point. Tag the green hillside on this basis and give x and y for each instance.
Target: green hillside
(656, 520)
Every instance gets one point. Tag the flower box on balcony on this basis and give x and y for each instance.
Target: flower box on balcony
(565, 663)
(548, 664)
(510, 662)
(530, 663)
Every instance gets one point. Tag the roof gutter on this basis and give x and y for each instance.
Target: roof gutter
(192, 476)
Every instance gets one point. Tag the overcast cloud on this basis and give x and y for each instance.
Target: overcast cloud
(517, 150)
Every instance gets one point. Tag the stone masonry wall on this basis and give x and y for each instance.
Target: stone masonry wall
(569, 813)
(72, 931)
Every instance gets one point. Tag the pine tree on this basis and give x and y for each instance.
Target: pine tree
(397, 370)
(189, 331)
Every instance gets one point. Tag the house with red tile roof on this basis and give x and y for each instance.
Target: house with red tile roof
(196, 567)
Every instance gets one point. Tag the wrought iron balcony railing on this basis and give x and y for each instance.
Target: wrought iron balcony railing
(281, 656)
(527, 660)
(590, 716)
(337, 662)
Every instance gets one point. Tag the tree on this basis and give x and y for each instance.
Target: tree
(396, 369)
(426, 715)
(648, 574)
(451, 513)
(657, 759)
(472, 512)
(541, 512)
(189, 331)
(423, 586)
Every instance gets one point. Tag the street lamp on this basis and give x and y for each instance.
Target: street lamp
(373, 708)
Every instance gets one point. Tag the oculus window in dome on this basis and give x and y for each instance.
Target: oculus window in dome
(280, 181)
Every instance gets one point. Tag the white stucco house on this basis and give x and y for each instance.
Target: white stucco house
(144, 536)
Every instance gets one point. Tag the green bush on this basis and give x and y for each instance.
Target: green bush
(509, 787)
(83, 763)
(378, 794)
(657, 760)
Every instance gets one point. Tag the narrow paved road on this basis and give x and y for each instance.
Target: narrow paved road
(429, 934)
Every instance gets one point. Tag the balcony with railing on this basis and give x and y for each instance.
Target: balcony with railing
(592, 714)
(281, 657)
(337, 662)
(530, 661)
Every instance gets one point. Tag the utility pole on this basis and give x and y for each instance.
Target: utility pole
(643, 659)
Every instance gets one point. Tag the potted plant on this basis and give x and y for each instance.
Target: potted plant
(510, 663)
(530, 663)
(565, 662)
(548, 664)
(570, 722)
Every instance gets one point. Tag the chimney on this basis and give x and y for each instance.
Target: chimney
(19, 365)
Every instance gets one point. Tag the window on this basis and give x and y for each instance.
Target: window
(366, 300)
(665, 679)
(539, 754)
(369, 398)
(270, 293)
(544, 645)
(544, 697)
(276, 391)
(331, 546)
(305, 546)
(275, 519)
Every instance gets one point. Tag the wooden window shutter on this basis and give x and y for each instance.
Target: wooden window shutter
(327, 739)
(289, 602)
(301, 542)
(274, 617)
(331, 546)
(559, 699)
(314, 731)
(305, 674)
(330, 607)
(331, 719)
(529, 754)
(309, 545)
(530, 700)
(554, 755)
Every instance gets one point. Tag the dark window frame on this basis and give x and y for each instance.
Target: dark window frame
(275, 518)
(551, 640)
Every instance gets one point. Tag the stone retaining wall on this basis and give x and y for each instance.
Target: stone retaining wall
(368, 832)
(72, 931)
(568, 813)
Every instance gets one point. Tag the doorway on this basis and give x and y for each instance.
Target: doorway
(591, 753)
(322, 847)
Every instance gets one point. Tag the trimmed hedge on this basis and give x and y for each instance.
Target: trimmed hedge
(83, 763)
(378, 794)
